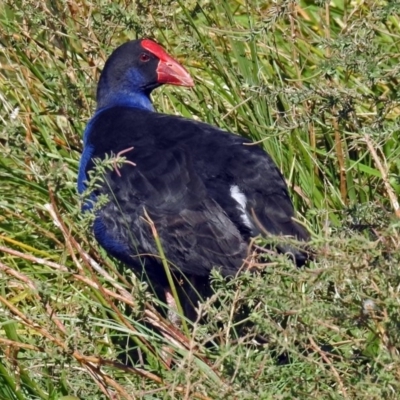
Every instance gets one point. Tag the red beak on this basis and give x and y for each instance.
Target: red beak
(169, 70)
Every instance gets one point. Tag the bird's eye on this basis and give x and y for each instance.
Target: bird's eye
(144, 57)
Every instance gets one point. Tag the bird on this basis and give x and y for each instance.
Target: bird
(205, 192)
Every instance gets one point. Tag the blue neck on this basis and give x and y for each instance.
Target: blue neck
(122, 98)
(126, 90)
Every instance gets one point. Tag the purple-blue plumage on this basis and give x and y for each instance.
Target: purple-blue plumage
(206, 190)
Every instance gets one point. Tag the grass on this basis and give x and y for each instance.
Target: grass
(317, 84)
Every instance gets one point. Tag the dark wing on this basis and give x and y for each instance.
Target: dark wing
(195, 232)
(268, 204)
(244, 181)
(233, 168)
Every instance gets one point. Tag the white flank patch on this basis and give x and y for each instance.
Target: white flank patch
(242, 202)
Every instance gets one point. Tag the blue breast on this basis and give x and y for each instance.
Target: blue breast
(86, 156)
(114, 245)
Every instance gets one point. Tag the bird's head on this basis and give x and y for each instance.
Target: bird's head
(133, 70)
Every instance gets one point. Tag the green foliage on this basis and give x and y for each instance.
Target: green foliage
(316, 84)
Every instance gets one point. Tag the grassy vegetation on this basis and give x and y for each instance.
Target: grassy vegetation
(318, 85)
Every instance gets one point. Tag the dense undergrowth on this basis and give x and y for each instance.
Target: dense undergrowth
(318, 85)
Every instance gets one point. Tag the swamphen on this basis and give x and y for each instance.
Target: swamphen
(207, 191)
